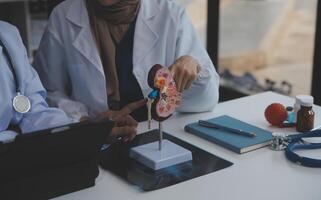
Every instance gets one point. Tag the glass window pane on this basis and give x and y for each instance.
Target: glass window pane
(267, 44)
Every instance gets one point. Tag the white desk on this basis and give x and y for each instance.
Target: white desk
(259, 175)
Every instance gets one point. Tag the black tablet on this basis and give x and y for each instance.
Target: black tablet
(53, 148)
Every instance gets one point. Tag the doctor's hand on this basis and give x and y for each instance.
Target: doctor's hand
(125, 125)
(185, 70)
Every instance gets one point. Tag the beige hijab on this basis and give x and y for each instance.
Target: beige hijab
(109, 24)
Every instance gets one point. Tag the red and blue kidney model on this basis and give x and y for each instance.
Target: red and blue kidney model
(165, 94)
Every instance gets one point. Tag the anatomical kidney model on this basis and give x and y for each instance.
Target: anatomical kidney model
(164, 98)
(162, 102)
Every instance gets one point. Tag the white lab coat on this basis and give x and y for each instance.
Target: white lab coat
(70, 68)
(40, 115)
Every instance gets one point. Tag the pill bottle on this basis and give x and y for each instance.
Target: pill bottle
(305, 116)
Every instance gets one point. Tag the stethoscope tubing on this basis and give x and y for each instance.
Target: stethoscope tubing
(295, 145)
(20, 103)
(11, 66)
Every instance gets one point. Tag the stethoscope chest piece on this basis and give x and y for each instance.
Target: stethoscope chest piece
(21, 104)
(279, 142)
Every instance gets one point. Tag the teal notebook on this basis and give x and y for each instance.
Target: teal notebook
(237, 143)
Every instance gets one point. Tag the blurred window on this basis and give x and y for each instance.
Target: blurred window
(267, 45)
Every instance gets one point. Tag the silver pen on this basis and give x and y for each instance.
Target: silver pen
(225, 128)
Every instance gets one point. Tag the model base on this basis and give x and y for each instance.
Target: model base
(150, 156)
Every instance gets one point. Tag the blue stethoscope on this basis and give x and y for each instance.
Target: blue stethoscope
(20, 103)
(296, 142)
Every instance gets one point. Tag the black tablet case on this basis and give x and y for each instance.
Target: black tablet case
(45, 165)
